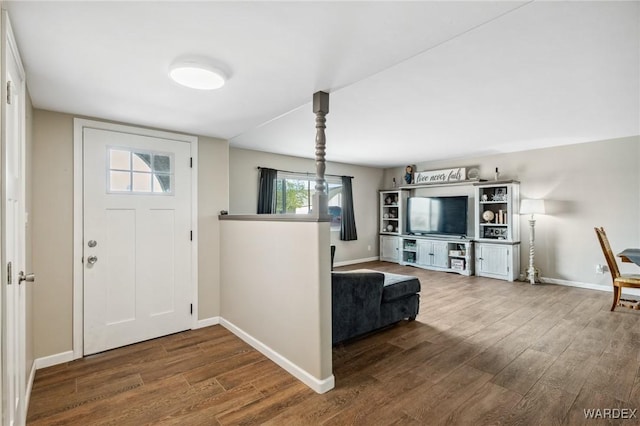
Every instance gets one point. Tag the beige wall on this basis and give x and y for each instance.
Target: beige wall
(585, 185)
(213, 196)
(243, 185)
(52, 222)
(52, 227)
(283, 299)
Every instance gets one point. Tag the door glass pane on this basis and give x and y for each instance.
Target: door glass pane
(161, 183)
(161, 163)
(119, 159)
(140, 172)
(141, 162)
(141, 182)
(119, 181)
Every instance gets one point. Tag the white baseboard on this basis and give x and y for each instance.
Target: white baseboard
(27, 396)
(207, 322)
(55, 359)
(353, 262)
(320, 386)
(589, 286)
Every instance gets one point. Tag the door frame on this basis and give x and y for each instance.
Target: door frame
(79, 124)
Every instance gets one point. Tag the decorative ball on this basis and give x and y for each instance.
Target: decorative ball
(488, 215)
(390, 228)
(386, 215)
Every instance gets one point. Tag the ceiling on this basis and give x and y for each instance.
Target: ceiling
(408, 81)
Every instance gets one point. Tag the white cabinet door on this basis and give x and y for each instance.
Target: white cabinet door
(423, 255)
(390, 248)
(440, 250)
(495, 261)
(433, 253)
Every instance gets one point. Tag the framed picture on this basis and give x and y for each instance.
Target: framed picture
(500, 194)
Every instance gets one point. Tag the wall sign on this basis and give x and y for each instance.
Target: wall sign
(440, 176)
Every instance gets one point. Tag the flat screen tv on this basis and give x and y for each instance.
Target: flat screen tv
(437, 215)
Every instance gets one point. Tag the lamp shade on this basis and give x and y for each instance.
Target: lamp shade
(532, 207)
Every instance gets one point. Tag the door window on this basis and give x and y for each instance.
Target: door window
(138, 172)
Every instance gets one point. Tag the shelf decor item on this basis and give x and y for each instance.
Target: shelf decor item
(532, 207)
(408, 175)
(499, 195)
(488, 216)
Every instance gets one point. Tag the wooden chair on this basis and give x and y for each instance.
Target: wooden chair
(619, 280)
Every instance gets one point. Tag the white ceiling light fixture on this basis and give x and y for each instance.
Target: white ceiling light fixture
(197, 75)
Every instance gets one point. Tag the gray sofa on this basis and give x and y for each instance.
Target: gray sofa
(364, 300)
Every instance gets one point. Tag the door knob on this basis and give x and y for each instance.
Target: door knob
(92, 259)
(26, 277)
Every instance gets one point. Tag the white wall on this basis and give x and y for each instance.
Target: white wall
(243, 195)
(276, 289)
(585, 185)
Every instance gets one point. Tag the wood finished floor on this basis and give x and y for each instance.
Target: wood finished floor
(481, 351)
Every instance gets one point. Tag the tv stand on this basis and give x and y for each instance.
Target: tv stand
(438, 253)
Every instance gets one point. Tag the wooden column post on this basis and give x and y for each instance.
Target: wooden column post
(321, 109)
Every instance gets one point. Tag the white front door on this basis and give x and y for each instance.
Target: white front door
(13, 233)
(137, 238)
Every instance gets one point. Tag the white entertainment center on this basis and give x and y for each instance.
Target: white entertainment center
(490, 248)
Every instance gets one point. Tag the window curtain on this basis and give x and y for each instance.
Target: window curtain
(266, 191)
(348, 226)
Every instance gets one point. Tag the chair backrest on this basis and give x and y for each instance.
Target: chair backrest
(608, 254)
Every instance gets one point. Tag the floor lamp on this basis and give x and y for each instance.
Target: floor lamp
(532, 207)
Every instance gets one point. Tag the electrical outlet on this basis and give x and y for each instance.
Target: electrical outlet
(368, 248)
(599, 269)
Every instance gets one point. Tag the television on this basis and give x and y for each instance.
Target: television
(437, 215)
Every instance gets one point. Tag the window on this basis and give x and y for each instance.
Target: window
(295, 192)
(139, 172)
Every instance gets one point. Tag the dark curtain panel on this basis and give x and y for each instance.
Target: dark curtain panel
(348, 227)
(266, 191)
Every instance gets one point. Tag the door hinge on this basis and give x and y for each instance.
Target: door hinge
(9, 92)
(191, 309)
(9, 273)
(190, 235)
(191, 162)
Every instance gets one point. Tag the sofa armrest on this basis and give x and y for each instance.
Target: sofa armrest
(355, 303)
